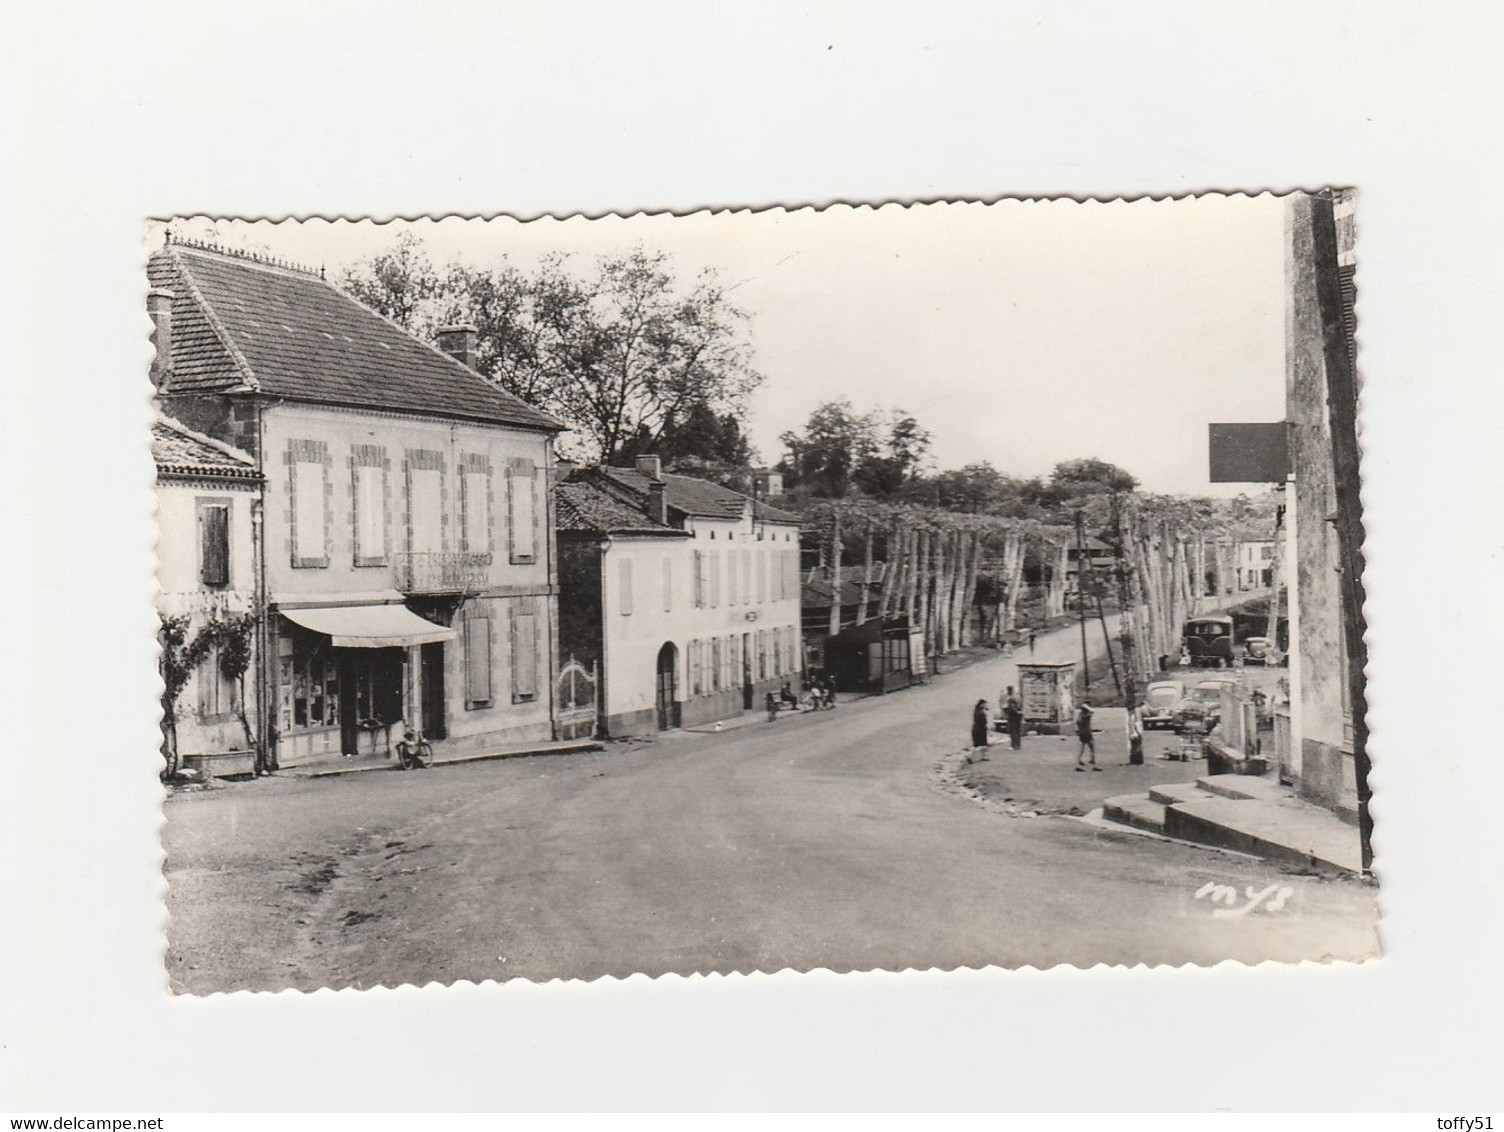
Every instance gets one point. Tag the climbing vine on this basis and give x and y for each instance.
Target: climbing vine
(181, 655)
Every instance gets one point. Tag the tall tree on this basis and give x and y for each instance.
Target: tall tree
(623, 351)
(835, 442)
(898, 457)
(400, 283)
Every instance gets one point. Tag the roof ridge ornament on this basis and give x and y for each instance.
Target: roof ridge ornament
(265, 259)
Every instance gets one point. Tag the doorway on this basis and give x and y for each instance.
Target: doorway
(435, 725)
(668, 707)
(747, 688)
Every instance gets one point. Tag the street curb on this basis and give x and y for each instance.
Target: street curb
(458, 760)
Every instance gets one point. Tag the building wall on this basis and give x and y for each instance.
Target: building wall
(663, 609)
(1324, 736)
(180, 591)
(329, 444)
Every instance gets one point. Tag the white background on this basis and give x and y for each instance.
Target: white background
(115, 112)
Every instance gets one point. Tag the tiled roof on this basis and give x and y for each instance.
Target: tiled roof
(816, 585)
(697, 497)
(245, 326)
(180, 450)
(584, 506)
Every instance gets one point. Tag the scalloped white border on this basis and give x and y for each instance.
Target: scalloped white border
(1141, 201)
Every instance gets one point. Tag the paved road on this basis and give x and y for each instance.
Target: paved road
(823, 840)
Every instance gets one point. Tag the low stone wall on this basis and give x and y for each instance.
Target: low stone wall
(221, 764)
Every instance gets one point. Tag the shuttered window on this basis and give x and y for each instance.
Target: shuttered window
(213, 543)
(668, 585)
(700, 579)
(477, 661)
(715, 579)
(522, 516)
(476, 488)
(216, 693)
(732, 579)
(624, 586)
(426, 501)
(524, 655)
(308, 512)
(762, 575)
(370, 515)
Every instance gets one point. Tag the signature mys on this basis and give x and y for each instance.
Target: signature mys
(1270, 899)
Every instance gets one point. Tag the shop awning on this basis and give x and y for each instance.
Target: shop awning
(369, 626)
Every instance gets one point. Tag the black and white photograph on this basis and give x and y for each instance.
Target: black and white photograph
(865, 588)
(846, 558)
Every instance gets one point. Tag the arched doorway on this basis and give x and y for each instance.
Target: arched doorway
(668, 707)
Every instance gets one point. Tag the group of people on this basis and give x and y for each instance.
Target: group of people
(1010, 709)
(819, 694)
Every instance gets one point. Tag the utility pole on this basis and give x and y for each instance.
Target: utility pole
(1081, 601)
(1125, 600)
(1342, 410)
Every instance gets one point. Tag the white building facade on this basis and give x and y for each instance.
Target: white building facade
(684, 593)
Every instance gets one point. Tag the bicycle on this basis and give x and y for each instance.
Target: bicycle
(414, 751)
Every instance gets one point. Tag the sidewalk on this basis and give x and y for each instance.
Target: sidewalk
(1041, 777)
(328, 767)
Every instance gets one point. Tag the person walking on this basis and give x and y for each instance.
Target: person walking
(1033, 636)
(1088, 739)
(979, 725)
(1013, 712)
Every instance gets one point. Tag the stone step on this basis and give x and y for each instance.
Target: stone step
(1289, 831)
(1243, 786)
(1175, 792)
(1135, 810)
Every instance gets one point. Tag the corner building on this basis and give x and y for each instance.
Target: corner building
(407, 545)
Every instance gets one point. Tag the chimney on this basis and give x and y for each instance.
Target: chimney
(657, 504)
(650, 466)
(460, 343)
(159, 307)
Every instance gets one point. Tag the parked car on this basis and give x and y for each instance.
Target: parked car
(1202, 708)
(1260, 650)
(1161, 699)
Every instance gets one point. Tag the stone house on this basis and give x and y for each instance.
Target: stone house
(684, 593)
(208, 496)
(1319, 760)
(406, 553)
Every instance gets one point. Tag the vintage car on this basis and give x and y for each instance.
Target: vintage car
(1161, 699)
(1207, 641)
(1202, 708)
(1260, 650)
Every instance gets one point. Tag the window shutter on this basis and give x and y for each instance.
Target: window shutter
(624, 586)
(308, 508)
(478, 660)
(668, 585)
(214, 546)
(524, 654)
(477, 526)
(522, 510)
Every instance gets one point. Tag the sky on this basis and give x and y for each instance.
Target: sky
(1021, 333)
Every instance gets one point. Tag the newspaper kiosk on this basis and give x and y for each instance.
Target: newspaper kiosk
(1048, 695)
